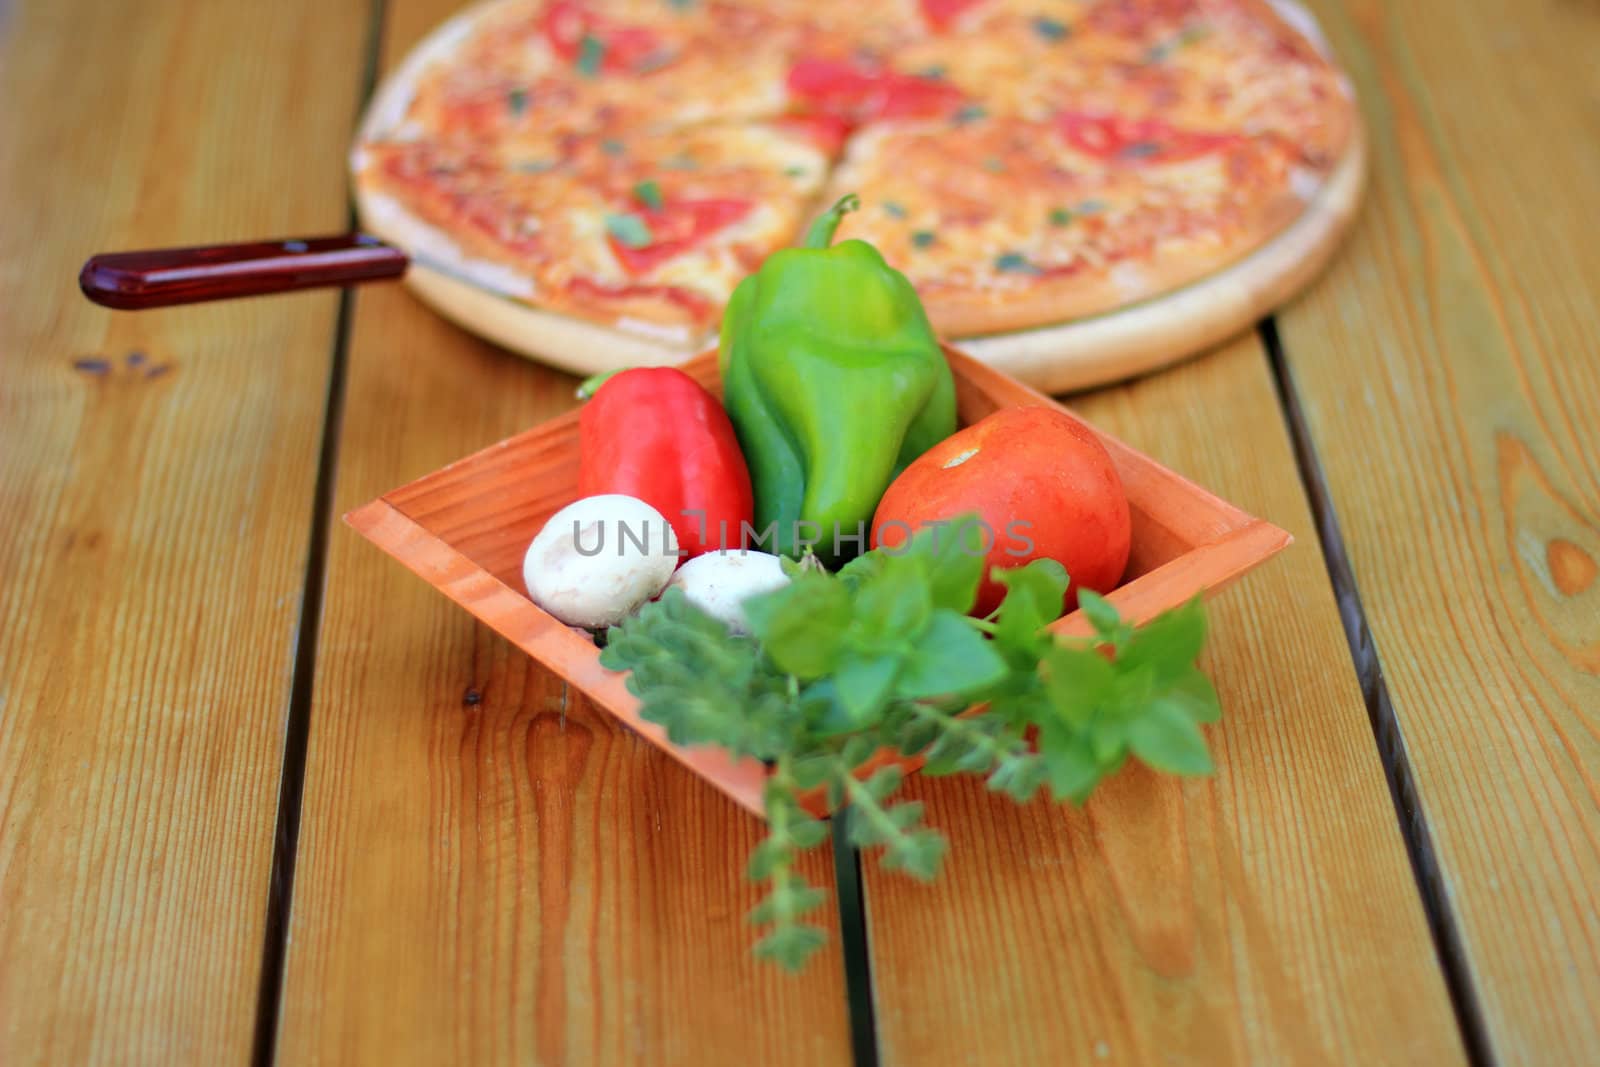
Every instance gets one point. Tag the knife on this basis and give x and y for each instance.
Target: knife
(166, 277)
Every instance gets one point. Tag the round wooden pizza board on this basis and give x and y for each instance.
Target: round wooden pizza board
(1055, 359)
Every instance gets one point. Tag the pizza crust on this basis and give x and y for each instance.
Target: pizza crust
(657, 321)
(1293, 16)
(386, 112)
(1051, 301)
(562, 341)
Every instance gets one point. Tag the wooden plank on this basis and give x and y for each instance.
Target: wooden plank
(156, 480)
(1459, 340)
(1266, 915)
(490, 870)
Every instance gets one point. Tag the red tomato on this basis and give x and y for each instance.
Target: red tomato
(1041, 482)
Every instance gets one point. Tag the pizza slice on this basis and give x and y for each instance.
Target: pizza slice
(1247, 66)
(1007, 223)
(527, 70)
(647, 230)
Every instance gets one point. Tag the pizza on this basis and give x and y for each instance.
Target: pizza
(1024, 162)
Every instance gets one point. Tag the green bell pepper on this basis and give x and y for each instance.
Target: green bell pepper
(834, 382)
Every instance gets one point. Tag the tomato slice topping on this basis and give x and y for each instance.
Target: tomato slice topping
(1114, 137)
(569, 26)
(827, 132)
(690, 301)
(855, 93)
(941, 13)
(676, 227)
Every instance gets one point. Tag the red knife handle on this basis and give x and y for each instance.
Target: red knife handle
(168, 276)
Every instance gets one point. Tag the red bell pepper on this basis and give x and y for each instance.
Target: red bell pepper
(656, 434)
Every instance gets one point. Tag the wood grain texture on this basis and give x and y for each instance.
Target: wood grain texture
(1266, 915)
(1459, 340)
(490, 870)
(156, 482)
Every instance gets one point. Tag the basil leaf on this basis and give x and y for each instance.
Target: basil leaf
(863, 684)
(790, 898)
(893, 606)
(858, 750)
(883, 782)
(1101, 615)
(648, 193)
(1033, 601)
(951, 657)
(1080, 680)
(591, 54)
(801, 626)
(1050, 29)
(811, 771)
(1019, 777)
(791, 946)
(1015, 263)
(1197, 696)
(918, 854)
(1069, 763)
(953, 557)
(862, 569)
(630, 230)
(1165, 737)
(956, 753)
(766, 858)
(1168, 644)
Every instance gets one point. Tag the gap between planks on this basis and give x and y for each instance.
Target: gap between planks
(297, 725)
(851, 903)
(1442, 924)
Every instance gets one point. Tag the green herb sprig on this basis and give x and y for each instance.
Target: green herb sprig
(884, 654)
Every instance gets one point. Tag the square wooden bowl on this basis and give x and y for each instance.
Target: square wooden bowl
(464, 529)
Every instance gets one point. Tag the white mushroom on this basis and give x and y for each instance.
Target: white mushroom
(718, 583)
(599, 558)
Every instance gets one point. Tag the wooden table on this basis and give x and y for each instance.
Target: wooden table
(264, 795)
